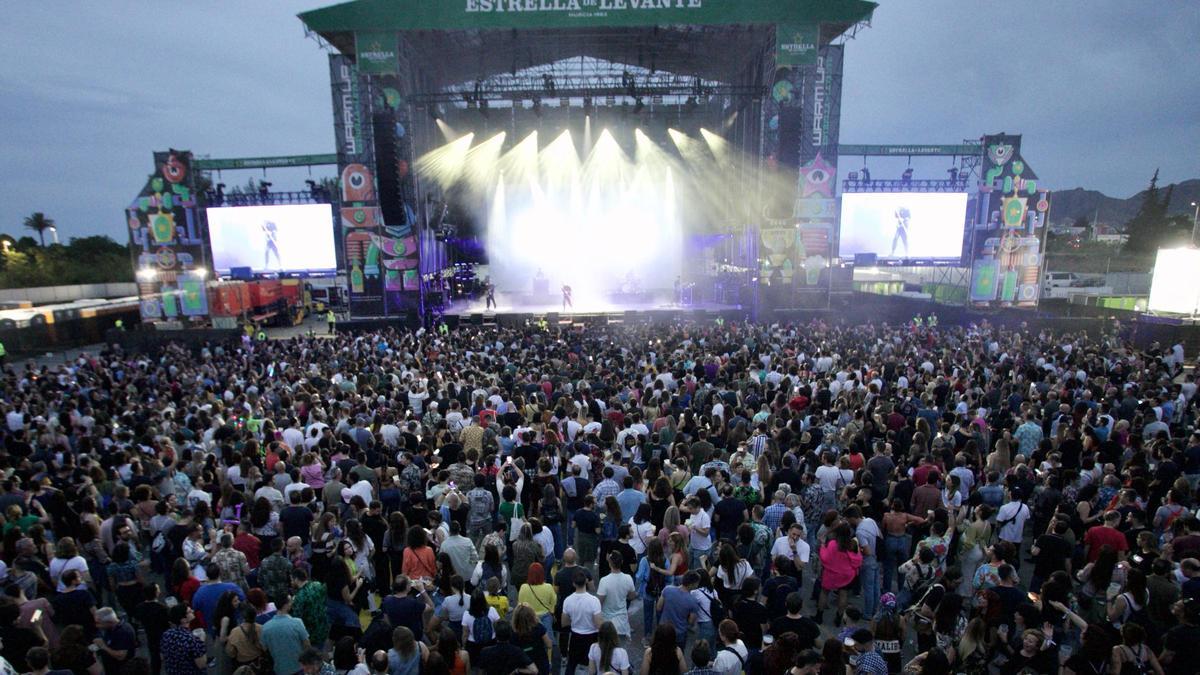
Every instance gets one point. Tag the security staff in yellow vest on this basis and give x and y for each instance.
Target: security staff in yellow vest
(332, 319)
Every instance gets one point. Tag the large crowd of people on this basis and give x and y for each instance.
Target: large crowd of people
(709, 499)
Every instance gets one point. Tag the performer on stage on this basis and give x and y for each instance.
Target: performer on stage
(490, 289)
(566, 293)
(269, 229)
(901, 237)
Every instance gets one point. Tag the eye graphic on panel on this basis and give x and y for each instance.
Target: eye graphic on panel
(358, 184)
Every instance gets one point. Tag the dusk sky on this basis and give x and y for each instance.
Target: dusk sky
(1104, 92)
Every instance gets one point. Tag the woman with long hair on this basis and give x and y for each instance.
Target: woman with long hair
(456, 661)
(672, 522)
(677, 558)
(364, 550)
(1094, 656)
(244, 645)
(642, 529)
(419, 561)
(840, 561)
(450, 612)
(73, 654)
(183, 583)
(663, 656)
(651, 579)
(264, 522)
(605, 656)
(661, 498)
(406, 655)
(225, 619)
(833, 658)
(731, 572)
(395, 541)
(1096, 577)
(781, 654)
(343, 586)
(1134, 598)
(490, 566)
(479, 625)
(324, 536)
(539, 595)
(532, 635)
(974, 649)
(525, 552)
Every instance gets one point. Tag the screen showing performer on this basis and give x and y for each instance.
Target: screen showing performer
(272, 239)
(903, 225)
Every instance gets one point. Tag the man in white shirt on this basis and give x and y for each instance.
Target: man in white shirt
(1011, 518)
(867, 531)
(582, 616)
(615, 591)
(793, 547)
(699, 525)
(293, 435)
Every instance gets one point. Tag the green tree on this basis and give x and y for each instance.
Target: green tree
(38, 222)
(1150, 226)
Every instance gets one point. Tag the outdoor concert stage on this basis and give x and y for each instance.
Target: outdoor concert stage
(542, 306)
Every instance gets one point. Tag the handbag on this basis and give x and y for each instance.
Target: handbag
(516, 522)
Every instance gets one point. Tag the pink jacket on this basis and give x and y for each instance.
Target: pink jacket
(838, 567)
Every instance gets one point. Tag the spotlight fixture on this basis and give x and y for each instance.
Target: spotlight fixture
(588, 105)
(435, 111)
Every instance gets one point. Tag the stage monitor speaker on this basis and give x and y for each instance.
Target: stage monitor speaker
(387, 169)
(241, 273)
(866, 259)
(477, 319)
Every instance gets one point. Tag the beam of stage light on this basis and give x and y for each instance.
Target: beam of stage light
(650, 155)
(559, 161)
(520, 164)
(587, 134)
(447, 131)
(606, 165)
(717, 145)
(445, 165)
(730, 120)
(481, 170)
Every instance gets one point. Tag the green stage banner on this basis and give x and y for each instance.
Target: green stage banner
(796, 44)
(400, 15)
(263, 162)
(377, 52)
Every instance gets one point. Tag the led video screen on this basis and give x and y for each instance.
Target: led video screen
(292, 239)
(903, 225)
(1175, 288)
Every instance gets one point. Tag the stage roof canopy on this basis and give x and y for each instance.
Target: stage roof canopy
(456, 40)
(409, 15)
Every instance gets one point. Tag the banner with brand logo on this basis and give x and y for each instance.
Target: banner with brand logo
(377, 52)
(796, 44)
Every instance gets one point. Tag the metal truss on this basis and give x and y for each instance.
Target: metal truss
(587, 77)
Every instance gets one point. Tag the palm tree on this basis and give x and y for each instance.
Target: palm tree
(39, 223)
